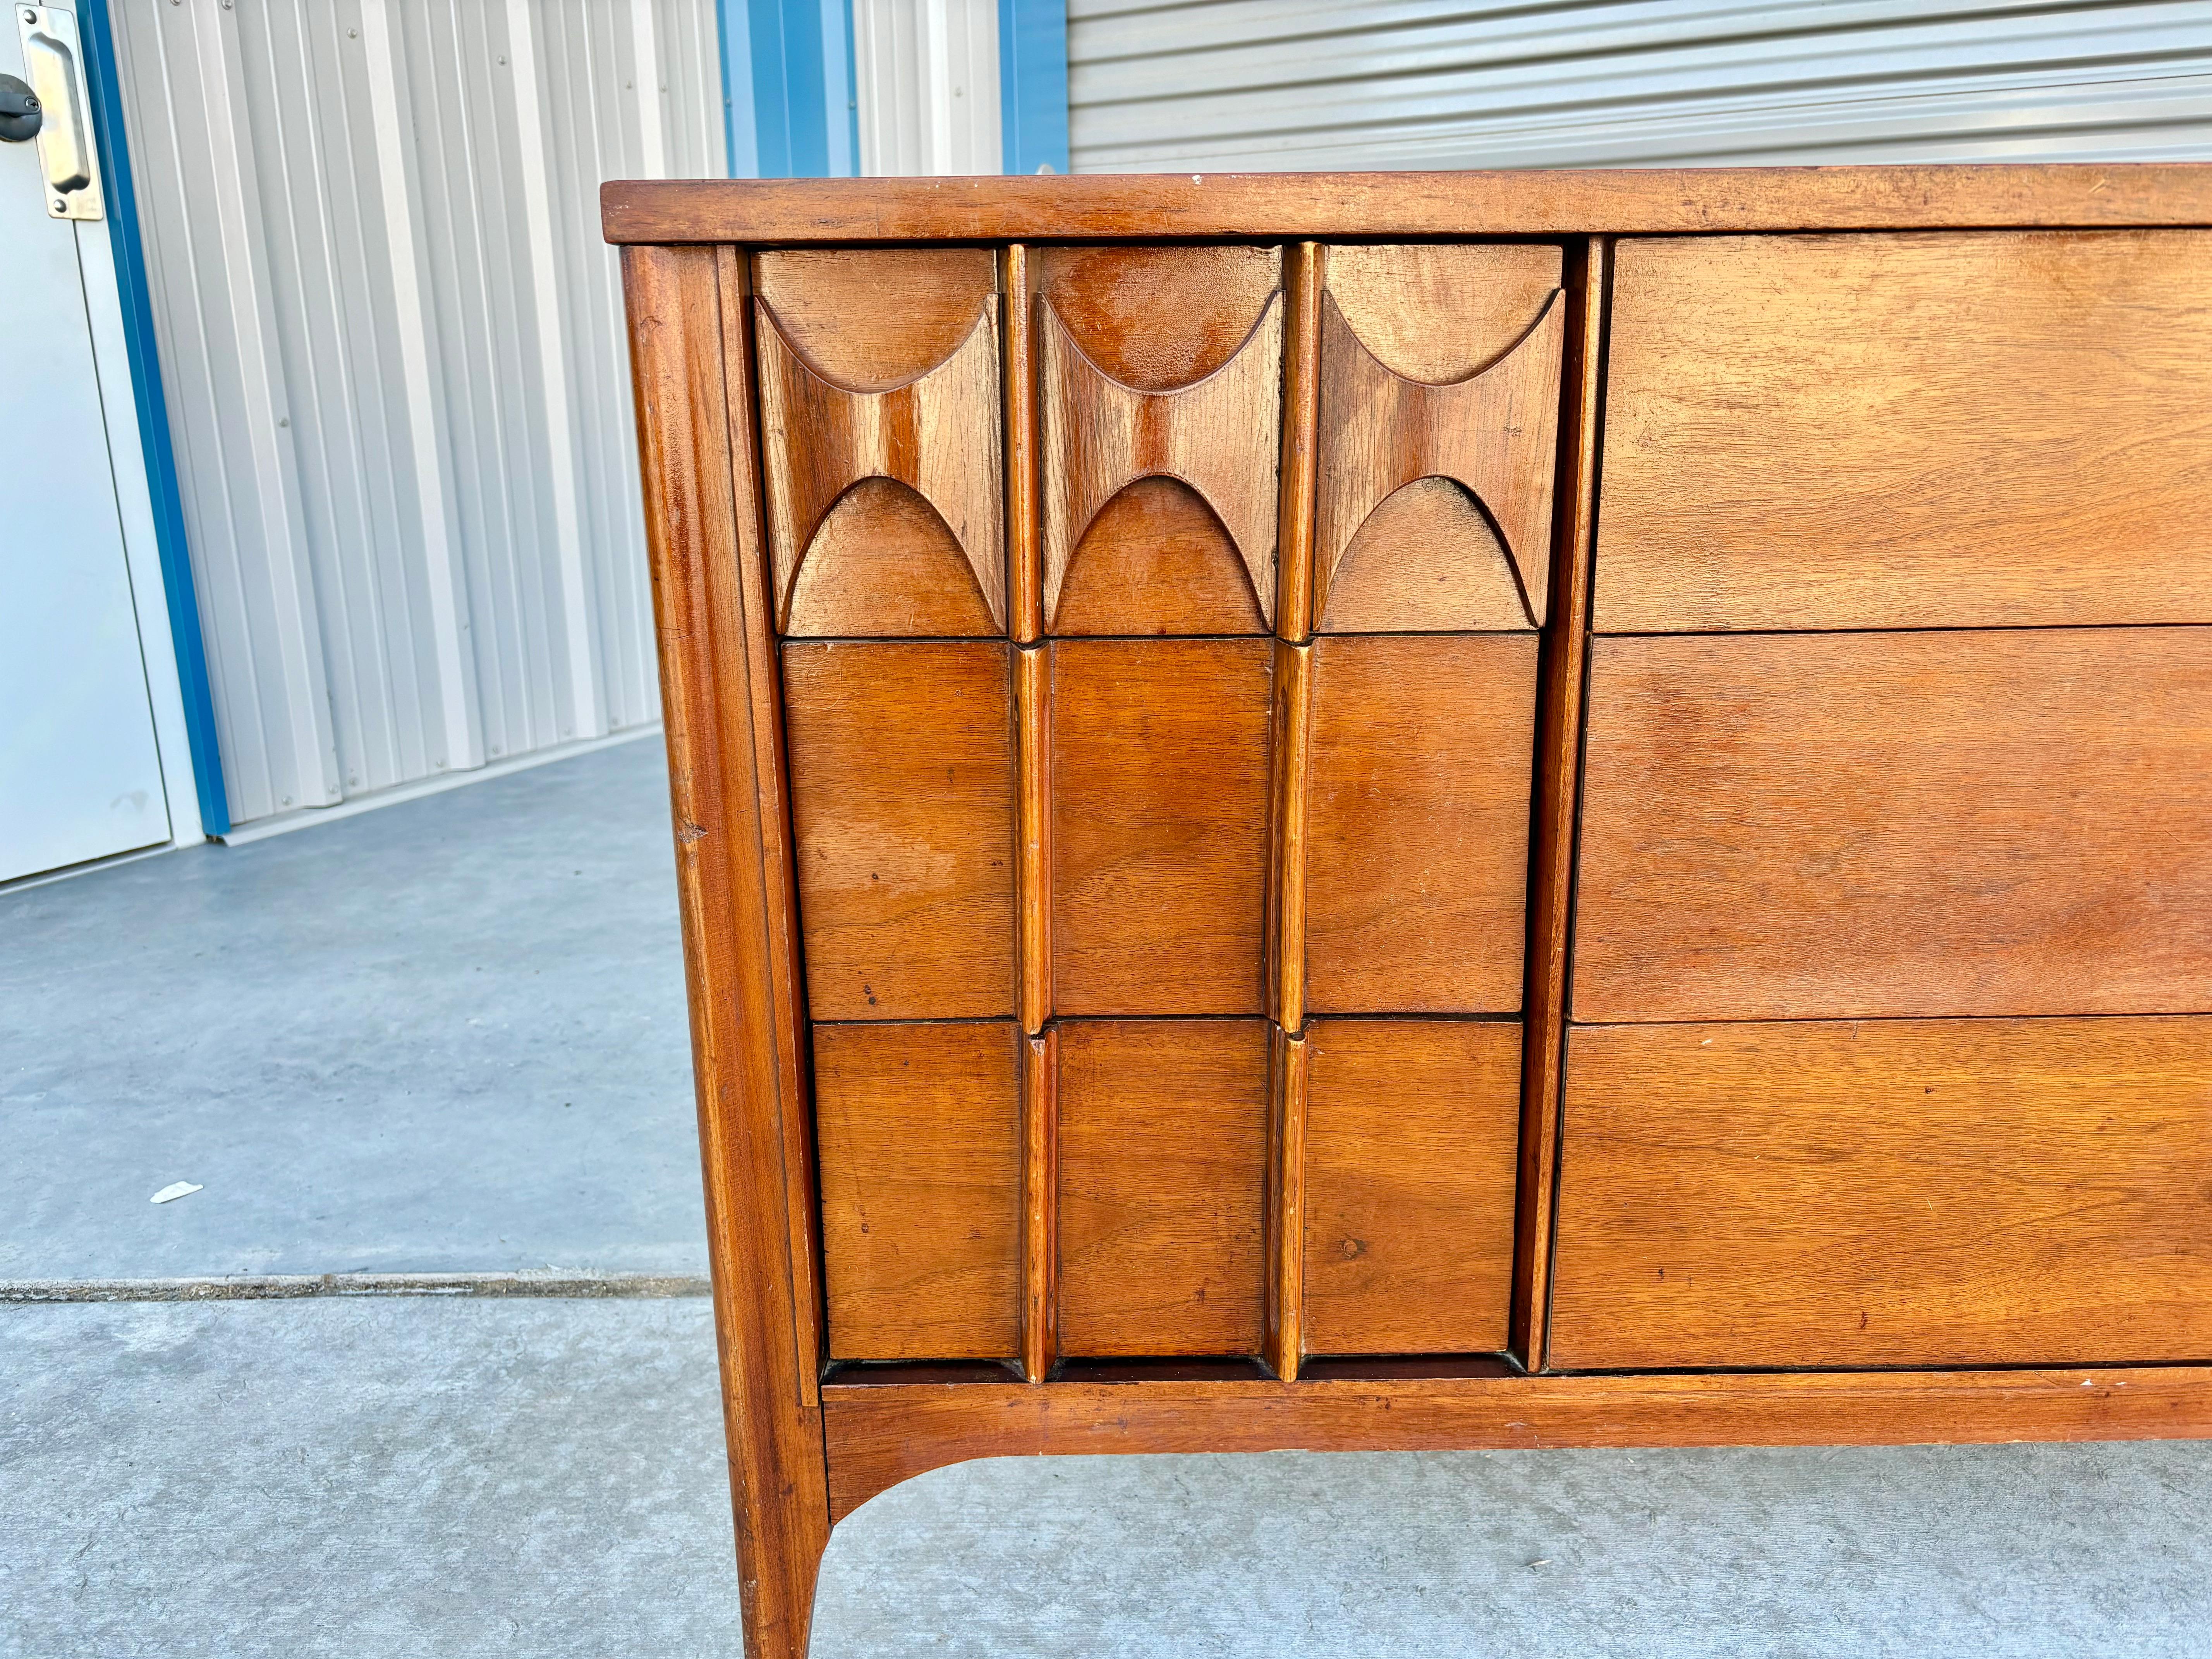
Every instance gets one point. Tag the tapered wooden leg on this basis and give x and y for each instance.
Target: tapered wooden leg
(703, 529)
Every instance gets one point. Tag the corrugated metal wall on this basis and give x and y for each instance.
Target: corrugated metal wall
(928, 74)
(1219, 85)
(392, 348)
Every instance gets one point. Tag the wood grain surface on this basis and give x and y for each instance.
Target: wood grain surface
(1886, 1193)
(734, 925)
(1412, 1128)
(1909, 432)
(1159, 825)
(904, 807)
(1444, 393)
(919, 1131)
(1159, 363)
(830, 302)
(879, 1435)
(1924, 823)
(1417, 831)
(1392, 205)
(1163, 1170)
(1557, 806)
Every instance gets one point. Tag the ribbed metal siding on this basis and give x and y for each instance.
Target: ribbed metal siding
(1260, 85)
(393, 348)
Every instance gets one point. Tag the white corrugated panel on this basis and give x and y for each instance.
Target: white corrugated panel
(393, 348)
(926, 74)
(1262, 85)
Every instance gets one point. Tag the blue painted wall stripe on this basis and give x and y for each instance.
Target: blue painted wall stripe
(787, 79)
(734, 34)
(1033, 85)
(107, 89)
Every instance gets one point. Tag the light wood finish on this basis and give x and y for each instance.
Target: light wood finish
(1159, 825)
(918, 1129)
(1443, 394)
(1909, 432)
(1284, 1340)
(930, 427)
(697, 539)
(1412, 1128)
(1886, 1193)
(883, 1433)
(1417, 827)
(1303, 264)
(1928, 823)
(1288, 743)
(904, 805)
(1024, 555)
(1160, 364)
(1039, 1205)
(1163, 1171)
(1351, 206)
(1558, 733)
(1033, 741)
(883, 565)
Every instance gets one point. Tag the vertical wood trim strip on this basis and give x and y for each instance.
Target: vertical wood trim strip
(1301, 283)
(1558, 743)
(1286, 1160)
(1033, 755)
(1025, 600)
(786, 962)
(1040, 1218)
(725, 896)
(1287, 850)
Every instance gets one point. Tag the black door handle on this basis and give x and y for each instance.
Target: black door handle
(20, 113)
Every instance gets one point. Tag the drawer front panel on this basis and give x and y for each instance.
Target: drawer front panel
(1161, 1177)
(902, 809)
(880, 431)
(1889, 1193)
(1928, 824)
(1159, 825)
(1411, 1130)
(1159, 406)
(1438, 425)
(1417, 835)
(1965, 430)
(919, 1131)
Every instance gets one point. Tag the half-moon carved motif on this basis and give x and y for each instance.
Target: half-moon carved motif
(1219, 435)
(937, 433)
(1493, 434)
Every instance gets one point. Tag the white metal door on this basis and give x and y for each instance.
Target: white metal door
(80, 774)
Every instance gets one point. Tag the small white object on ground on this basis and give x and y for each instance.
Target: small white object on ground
(175, 1189)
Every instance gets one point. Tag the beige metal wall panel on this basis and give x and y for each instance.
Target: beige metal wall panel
(1260, 85)
(391, 347)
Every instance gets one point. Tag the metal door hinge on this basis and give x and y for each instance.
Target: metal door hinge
(55, 64)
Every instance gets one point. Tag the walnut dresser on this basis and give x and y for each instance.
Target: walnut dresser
(1435, 810)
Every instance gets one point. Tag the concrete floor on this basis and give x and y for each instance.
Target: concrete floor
(448, 1036)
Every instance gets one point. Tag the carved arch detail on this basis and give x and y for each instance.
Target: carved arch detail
(1493, 434)
(937, 434)
(1220, 435)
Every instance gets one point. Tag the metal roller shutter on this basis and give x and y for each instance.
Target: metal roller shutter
(1266, 85)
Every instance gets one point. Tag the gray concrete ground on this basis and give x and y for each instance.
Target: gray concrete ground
(448, 1036)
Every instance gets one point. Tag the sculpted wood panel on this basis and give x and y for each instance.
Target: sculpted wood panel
(1417, 831)
(880, 428)
(902, 809)
(1412, 1133)
(1781, 827)
(1159, 825)
(1439, 431)
(1888, 1193)
(919, 1131)
(1162, 1170)
(1909, 431)
(1159, 368)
